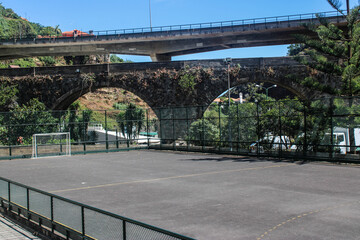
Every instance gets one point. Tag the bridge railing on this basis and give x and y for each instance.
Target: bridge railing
(302, 18)
(299, 18)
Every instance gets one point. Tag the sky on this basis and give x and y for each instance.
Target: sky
(96, 15)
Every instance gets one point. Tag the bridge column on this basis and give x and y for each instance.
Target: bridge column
(160, 58)
(107, 58)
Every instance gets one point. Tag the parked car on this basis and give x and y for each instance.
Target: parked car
(270, 143)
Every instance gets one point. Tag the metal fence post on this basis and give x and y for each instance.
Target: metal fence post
(124, 229)
(9, 143)
(52, 213)
(203, 129)
(280, 131)
(173, 128)
(220, 141)
(161, 128)
(230, 127)
(147, 127)
(187, 126)
(83, 221)
(8, 135)
(331, 112)
(9, 195)
(117, 139)
(106, 132)
(84, 131)
(28, 203)
(305, 146)
(60, 129)
(238, 127)
(258, 129)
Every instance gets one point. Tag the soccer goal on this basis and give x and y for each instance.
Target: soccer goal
(51, 144)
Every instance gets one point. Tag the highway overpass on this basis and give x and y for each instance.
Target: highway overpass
(161, 43)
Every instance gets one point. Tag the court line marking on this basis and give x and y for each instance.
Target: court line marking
(290, 220)
(169, 178)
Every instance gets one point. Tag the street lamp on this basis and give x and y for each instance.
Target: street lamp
(228, 61)
(266, 89)
(150, 15)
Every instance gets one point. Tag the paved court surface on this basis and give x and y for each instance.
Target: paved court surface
(207, 196)
(11, 231)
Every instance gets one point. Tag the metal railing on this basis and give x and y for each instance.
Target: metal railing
(232, 23)
(299, 18)
(73, 220)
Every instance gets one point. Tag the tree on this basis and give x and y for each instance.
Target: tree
(131, 121)
(78, 122)
(27, 120)
(336, 55)
(115, 59)
(7, 96)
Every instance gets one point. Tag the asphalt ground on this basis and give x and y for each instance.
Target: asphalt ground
(207, 196)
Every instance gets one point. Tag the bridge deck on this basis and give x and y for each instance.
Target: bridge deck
(126, 67)
(163, 42)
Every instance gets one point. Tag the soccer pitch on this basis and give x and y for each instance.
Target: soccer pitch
(206, 196)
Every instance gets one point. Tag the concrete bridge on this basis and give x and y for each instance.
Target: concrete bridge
(161, 43)
(160, 84)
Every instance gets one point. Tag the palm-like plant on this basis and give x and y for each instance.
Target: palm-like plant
(336, 53)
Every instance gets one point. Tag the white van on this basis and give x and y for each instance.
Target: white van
(270, 142)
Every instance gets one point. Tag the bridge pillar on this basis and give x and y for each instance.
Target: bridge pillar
(107, 58)
(160, 58)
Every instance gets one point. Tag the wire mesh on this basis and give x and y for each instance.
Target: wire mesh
(76, 219)
(101, 226)
(18, 195)
(67, 214)
(283, 128)
(40, 204)
(137, 232)
(4, 189)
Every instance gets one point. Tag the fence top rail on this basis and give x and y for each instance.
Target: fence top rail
(193, 26)
(160, 230)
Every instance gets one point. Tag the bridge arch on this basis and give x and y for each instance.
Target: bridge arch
(159, 85)
(64, 101)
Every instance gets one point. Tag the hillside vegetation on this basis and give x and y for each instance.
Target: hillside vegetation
(14, 26)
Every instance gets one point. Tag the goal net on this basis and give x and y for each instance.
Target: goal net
(51, 144)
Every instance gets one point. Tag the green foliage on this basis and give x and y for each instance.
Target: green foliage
(295, 49)
(203, 132)
(187, 82)
(335, 54)
(78, 122)
(12, 26)
(120, 106)
(48, 61)
(25, 121)
(115, 59)
(24, 62)
(7, 96)
(131, 121)
(8, 12)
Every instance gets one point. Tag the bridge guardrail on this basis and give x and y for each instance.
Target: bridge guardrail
(232, 23)
(302, 18)
(74, 220)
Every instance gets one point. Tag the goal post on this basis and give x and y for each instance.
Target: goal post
(51, 144)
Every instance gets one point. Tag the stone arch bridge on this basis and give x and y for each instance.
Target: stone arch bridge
(159, 84)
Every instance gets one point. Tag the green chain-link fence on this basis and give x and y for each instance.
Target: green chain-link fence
(326, 128)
